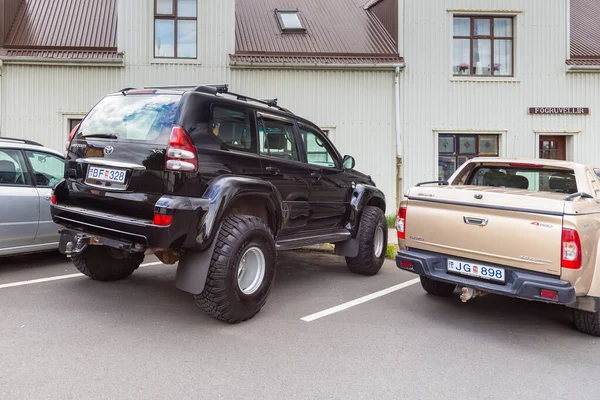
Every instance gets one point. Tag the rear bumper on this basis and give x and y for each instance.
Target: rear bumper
(519, 283)
(126, 229)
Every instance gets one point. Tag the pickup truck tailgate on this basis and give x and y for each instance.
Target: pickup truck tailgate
(493, 225)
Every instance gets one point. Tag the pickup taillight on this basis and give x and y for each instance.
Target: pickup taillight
(401, 223)
(571, 249)
(181, 153)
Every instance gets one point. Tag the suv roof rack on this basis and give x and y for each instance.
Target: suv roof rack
(224, 89)
(17, 140)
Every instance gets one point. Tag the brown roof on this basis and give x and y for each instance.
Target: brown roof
(585, 32)
(78, 29)
(337, 31)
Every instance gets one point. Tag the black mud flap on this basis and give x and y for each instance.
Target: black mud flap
(192, 269)
(347, 248)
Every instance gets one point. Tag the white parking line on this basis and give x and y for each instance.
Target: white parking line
(57, 278)
(358, 301)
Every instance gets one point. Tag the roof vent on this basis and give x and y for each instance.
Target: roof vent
(289, 21)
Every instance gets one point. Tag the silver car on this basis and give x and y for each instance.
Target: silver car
(28, 172)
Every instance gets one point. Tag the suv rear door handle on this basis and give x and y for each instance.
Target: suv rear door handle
(273, 170)
(316, 175)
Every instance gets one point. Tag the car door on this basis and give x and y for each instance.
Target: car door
(47, 170)
(19, 212)
(283, 167)
(330, 185)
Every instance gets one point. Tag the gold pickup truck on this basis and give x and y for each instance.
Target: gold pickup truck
(522, 228)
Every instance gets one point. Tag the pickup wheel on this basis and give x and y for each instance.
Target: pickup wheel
(372, 237)
(103, 263)
(437, 288)
(241, 272)
(587, 321)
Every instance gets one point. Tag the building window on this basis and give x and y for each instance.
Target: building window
(73, 123)
(455, 150)
(289, 21)
(175, 28)
(483, 46)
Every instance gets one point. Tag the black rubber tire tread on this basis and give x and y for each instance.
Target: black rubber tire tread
(437, 288)
(99, 264)
(365, 263)
(587, 321)
(221, 298)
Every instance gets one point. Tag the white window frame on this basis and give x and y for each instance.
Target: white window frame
(570, 142)
(515, 14)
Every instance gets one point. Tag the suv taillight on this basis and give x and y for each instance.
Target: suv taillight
(68, 146)
(401, 223)
(181, 153)
(571, 249)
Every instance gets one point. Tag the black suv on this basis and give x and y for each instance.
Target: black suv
(216, 181)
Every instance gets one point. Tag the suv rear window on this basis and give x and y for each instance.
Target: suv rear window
(534, 179)
(133, 117)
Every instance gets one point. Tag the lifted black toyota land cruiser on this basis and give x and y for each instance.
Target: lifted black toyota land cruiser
(217, 182)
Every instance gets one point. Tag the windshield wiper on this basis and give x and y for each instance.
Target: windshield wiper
(101, 135)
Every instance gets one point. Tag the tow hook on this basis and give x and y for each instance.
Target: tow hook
(468, 293)
(76, 246)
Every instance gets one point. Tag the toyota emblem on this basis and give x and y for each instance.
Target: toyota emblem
(109, 150)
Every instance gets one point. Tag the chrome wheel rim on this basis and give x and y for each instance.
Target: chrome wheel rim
(378, 242)
(251, 270)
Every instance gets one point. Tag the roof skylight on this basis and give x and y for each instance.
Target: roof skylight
(289, 21)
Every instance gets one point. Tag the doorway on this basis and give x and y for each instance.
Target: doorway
(553, 147)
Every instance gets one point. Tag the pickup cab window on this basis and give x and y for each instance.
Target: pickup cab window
(534, 179)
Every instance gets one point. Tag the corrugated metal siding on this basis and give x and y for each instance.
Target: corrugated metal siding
(216, 35)
(432, 100)
(65, 23)
(387, 12)
(359, 105)
(333, 27)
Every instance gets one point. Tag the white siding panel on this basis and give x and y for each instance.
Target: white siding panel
(433, 100)
(358, 105)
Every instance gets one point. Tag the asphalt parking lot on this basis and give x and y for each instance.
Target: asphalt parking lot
(64, 336)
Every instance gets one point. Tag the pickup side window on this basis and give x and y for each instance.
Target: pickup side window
(534, 179)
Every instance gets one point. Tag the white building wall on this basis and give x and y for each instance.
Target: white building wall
(356, 106)
(433, 100)
(38, 99)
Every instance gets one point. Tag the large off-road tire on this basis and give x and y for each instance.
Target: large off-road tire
(437, 288)
(103, 263)
(372, 236)
(241, 272)
(587, 321)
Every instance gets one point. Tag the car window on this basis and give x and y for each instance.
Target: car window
(134, 117)
(277, 139)
(233, 129)
(12, 168)
(317, 151)
(48, 169)
(534, 179)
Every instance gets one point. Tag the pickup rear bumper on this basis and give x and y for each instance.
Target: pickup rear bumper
(519, 283)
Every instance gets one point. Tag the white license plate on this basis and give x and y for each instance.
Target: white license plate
(477, 270)
(106, 174)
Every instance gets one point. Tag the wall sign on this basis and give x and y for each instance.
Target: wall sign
(559, 110)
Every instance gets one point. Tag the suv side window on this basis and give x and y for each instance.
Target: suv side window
(233, 128)
(317, 151)
(13, 170)
(48, 169)
(277, 139)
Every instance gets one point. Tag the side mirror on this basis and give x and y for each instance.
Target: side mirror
(348, 162)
